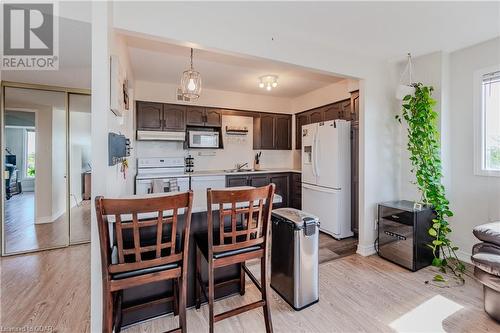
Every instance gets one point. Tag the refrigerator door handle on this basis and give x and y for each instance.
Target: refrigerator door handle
(320, 189)
(316, 147)
(313, 152)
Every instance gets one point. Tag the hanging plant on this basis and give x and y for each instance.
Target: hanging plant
(424, 148)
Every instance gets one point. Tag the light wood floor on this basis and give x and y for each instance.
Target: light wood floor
(331, 249)
(49, 288)
(22, 234)
(357, 294)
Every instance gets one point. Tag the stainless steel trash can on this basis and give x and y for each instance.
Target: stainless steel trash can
(294, 257)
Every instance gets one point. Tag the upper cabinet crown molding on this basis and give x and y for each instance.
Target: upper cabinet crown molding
(347, 109)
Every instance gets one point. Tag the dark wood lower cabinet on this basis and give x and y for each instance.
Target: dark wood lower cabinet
(296, 190)
(288, 185)
(281, 180)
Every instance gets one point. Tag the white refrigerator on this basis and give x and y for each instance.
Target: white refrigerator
(326, 175)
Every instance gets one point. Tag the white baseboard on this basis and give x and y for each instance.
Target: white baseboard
(366, 250)
(464, 256)
(49, 219)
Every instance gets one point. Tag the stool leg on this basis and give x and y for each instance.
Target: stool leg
(211, 295)
(107, 313)
(118, 310)
(182, 302)
(242, 279)
(197, 278)
(265, 293)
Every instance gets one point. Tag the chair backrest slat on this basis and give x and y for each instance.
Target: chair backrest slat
(159, 233)
(119, 238)
(143, 243)
(137, 241)
(243, 209)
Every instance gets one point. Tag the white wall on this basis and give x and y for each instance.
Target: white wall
(166, 93)
(332, 93)
(474, 199)
(43, 164)
(58, 164)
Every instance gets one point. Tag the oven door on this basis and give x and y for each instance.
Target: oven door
(203, 139)
(161, 185)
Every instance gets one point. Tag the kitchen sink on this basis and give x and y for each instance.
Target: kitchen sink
(242, 170)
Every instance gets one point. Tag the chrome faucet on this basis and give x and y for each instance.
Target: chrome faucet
(240, 166)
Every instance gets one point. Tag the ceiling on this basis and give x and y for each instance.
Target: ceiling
(157, 61)
(75, 51)
(384, 30)
(20, 98)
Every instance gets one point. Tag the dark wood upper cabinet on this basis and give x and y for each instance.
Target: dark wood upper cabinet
(195, 116)
(267, 128)
(355, 105)
(213, 117)
(201, 116)
(332, 111)
(283, 133)
(272, 131)
(346, 109)
(174, 117)
(300, 120)
(316, 115)
(149, 116)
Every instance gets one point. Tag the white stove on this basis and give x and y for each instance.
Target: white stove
(161, 174)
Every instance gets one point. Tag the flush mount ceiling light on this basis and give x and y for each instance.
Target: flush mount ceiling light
(191, 82)
(268, 82)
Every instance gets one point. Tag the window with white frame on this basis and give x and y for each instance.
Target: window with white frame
(29, 151)
(488, 122)
(491, 111)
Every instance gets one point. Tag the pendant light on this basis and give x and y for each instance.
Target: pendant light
(191, 82)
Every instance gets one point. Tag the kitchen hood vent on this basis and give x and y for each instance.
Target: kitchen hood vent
(160, 136)
(236, 130)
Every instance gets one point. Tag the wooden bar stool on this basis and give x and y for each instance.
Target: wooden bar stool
(244, 216)
(146, 250)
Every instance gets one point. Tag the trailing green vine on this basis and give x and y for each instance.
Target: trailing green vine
(424, 147)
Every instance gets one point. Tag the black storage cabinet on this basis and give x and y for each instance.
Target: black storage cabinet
(403, 234)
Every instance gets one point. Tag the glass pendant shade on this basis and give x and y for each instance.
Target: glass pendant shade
(191, 82)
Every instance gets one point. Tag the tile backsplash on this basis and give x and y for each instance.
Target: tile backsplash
(237, 149)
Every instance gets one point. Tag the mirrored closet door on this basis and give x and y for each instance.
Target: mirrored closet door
(46, 161)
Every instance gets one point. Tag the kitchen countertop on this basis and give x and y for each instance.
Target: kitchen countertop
(199, 203)
(202, 173)
(250, 172)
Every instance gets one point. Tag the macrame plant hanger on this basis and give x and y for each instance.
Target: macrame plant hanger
(406, 89)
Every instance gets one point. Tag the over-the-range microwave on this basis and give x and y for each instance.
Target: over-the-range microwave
(203, 139)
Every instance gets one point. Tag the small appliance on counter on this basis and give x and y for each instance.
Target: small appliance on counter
(294, 257)
(189, 162)
(161, 174)
(403, 234)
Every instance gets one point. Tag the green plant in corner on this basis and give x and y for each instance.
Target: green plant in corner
(424, 147)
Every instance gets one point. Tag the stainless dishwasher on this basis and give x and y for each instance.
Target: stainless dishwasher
(294, 257)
